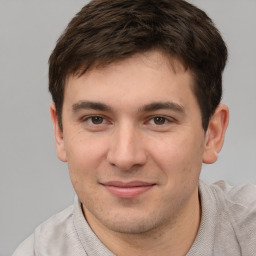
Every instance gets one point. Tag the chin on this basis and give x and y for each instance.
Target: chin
(134, 223)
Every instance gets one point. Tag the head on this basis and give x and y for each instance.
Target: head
(105, 31)
(136, 86)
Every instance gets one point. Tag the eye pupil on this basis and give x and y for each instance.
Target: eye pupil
(97, 120)
(159, 120)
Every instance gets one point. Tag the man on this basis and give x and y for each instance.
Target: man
(136, 86)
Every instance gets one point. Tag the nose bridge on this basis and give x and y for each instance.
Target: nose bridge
(126, 148)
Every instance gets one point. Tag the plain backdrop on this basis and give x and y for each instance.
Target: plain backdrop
(34, 184)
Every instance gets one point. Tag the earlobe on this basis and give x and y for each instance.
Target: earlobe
(58, 134)
(215, 134)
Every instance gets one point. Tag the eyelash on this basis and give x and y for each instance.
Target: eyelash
(90, 118)
(103, 122)
(163, 120)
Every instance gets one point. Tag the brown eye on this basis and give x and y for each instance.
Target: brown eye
(159, 120)
(97, 119)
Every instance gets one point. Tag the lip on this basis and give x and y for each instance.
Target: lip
(128, 189)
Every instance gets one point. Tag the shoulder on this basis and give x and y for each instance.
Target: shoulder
(58, 221)
(26, 247)
(243, 194)
(238, 204)
(49, 232)
(240, 200)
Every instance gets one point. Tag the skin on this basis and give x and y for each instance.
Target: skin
(134, 143)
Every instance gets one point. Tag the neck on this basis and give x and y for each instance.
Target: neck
(172, 239)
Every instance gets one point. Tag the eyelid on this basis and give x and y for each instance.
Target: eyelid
(168, 119)
(87, 119)
(89, 125)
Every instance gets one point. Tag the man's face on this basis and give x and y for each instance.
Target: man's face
(134, 142)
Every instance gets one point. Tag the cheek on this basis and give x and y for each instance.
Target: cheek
(180, 163)
(84, 149)
(84, 157)
(178, 156)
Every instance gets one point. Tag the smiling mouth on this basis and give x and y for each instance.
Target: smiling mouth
(127, 190)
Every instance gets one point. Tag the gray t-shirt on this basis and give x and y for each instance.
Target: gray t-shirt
(228, 227)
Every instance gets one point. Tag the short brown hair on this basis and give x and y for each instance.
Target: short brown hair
(106, 31)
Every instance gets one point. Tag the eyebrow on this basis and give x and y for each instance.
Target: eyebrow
(154, 106)
(163, 105)
(90, 105)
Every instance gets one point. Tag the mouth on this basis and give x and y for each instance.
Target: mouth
(127, 189)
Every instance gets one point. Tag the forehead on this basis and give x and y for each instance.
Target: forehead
(142, 76)
(155, 59)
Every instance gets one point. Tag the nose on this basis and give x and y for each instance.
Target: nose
(126, 148)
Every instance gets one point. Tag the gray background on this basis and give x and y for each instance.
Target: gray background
(34, 184)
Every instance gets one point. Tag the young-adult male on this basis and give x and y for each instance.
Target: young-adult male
(136, 86)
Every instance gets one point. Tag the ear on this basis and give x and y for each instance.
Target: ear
(58, 134)
(215, 134)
